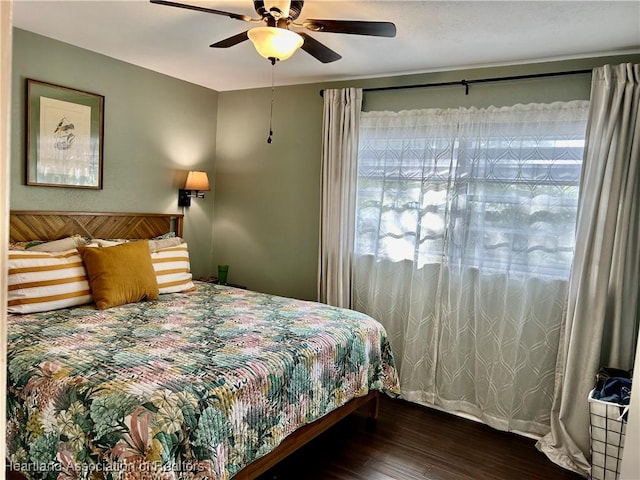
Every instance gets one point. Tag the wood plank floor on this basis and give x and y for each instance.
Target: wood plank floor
(411, 442)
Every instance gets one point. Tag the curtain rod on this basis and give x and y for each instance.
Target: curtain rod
(467, 83)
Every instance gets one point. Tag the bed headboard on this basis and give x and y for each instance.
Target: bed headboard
(42, 225)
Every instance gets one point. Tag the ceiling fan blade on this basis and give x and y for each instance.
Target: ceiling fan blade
(231, 41)
(235, 16)
(353, 27)
(318, 50)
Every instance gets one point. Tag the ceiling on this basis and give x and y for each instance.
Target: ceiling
(432, 36)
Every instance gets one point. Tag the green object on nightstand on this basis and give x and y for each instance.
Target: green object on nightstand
(223, 271)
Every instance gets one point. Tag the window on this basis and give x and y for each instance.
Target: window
(494, 189)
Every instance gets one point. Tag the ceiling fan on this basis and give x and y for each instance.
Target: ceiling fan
(275, 40)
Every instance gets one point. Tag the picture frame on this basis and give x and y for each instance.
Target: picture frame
(65, 131)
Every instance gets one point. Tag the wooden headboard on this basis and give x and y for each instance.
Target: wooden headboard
(40, 225)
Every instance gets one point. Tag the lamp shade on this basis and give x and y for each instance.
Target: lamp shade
(273, 42)
(197, 181)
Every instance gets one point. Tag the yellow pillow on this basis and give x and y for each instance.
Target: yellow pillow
(120, 274)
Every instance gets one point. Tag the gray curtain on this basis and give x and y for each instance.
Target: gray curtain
(340, 129)
(601, 327)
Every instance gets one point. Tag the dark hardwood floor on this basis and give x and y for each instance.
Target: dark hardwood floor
(410, 442)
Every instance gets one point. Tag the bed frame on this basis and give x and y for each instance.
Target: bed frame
(307, 433)
(44, 225)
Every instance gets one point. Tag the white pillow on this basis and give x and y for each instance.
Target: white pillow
(105, 243)
(61, 245)
(155, 245)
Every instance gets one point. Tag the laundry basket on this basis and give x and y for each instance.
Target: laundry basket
(607, 428)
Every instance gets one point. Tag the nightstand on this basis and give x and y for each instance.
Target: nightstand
(210, 279)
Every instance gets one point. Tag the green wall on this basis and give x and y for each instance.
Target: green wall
(265, 222)
(267, 200)
(268, 196)
(156, 128)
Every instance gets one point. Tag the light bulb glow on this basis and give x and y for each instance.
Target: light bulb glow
(273, 42)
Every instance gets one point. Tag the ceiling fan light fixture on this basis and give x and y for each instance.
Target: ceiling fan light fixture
(273, 42)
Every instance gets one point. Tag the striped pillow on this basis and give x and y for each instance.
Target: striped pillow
(43, 281)
(173, 270)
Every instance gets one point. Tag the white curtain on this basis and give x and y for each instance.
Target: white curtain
(464, 241)
(340, 129)
(602, 322)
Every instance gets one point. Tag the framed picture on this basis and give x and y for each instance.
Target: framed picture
(64, 136)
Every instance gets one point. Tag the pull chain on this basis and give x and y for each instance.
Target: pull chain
(273, 93)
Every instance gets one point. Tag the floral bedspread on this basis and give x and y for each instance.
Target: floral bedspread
(190, 386)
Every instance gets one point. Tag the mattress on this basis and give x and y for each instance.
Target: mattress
(192, 385)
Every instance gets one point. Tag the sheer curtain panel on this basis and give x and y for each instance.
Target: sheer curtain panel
(464, 242)
(340, 129)
(601, 327)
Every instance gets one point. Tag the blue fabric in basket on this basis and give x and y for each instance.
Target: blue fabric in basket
(614, 390)
(613, 386)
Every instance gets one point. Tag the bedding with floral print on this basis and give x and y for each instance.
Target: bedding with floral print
(191, 386)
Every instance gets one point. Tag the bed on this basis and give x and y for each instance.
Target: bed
(199, 381)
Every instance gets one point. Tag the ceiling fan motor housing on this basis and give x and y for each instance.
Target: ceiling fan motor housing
(279, 8)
